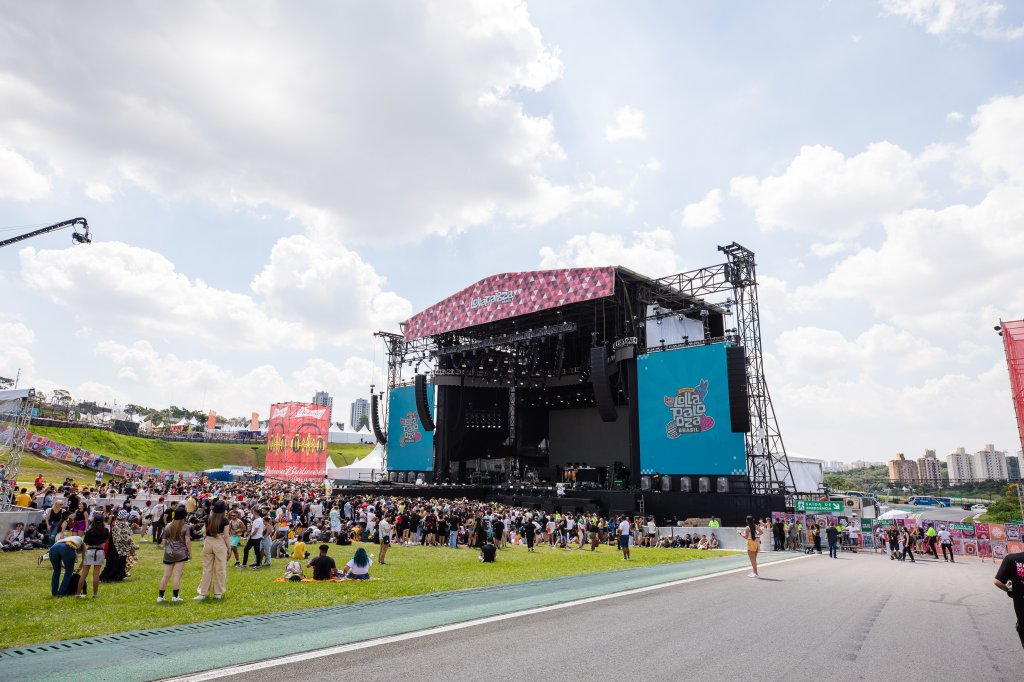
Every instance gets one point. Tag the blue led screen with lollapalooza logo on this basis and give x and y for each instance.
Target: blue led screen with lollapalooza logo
(684, 413)
(410, 446)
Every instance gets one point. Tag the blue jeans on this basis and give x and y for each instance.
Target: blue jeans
(62, 555)
(453, 539)
(266, 543)
(833, 550)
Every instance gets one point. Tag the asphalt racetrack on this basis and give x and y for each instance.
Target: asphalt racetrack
(857, 617)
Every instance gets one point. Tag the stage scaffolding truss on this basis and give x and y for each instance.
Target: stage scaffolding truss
(15, 415)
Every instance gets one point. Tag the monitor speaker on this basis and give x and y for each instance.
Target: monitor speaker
(602, 386)
(422, 406)
(685, 484)
(375, 420)
(704, 484)
(666, 484)
(736, 369)
(723, 484)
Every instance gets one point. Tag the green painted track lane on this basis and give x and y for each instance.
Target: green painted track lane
(178, 650)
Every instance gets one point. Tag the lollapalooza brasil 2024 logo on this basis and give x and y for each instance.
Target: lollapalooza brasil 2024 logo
(689, 411)
(410, 430)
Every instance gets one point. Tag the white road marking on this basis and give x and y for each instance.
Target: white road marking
(391, 639)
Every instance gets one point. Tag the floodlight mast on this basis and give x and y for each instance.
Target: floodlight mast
(79, 236)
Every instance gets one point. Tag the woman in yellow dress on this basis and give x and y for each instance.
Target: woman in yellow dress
(749, 533)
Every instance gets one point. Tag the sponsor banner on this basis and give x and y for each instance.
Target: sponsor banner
(684, 414)
(998, 550)
(254, 423)
(211, 421)
(511, 294)
(1013, 344)
(997, 532)
(410, 446)
(297, 442)
(1013, 533)
(981, 531)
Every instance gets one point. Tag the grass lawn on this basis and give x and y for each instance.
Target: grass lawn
(31, 615)
(178, 455)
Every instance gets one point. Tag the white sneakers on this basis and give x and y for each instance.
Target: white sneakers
(200, 597)
(160, 600)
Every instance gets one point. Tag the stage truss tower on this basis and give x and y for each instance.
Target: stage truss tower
(767, 464)
(16, 408)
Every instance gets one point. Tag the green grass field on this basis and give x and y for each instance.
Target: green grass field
(31, 615)
(176, 455)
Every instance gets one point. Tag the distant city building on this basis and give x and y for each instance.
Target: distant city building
(360, 408)
(324, 398)
(961, 467)
(929, 469)
(990, 464)
(903, 470)
(1013, 467)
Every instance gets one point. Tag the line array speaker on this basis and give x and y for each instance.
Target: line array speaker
(422, 406)
(736, 368)
(375, 419)
(602, 387)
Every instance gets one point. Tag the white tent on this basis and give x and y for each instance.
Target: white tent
(330, 463)
(894, 514)
(367, 469)
(336, 435)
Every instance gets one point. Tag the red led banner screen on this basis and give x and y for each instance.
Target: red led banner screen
(297, 442)
(1013, 342)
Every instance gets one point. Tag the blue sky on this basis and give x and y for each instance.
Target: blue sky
(266, 188)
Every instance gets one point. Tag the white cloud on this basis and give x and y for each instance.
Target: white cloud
(650, 253)
(652, 165)
(15, 354)
(627, 124)
(19, 179)
(156, 379)
(97, 191)
(982, 18)
(112, 283)
(826, 193)
(957, 267)
(395, 142)
(329, 289)
(954, 117)
(705, 212)
(828, 250)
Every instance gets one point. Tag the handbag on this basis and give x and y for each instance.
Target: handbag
(175, 551)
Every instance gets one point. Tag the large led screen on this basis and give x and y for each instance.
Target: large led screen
(684, 413)
(410, 446)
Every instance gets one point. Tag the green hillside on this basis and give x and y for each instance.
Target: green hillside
(178, 455)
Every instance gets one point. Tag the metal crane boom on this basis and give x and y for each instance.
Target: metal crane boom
(79, 236)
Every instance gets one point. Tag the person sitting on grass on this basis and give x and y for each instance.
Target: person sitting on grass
(293, 571)
(358, 568)
(713, 542)
(15, 538)
(488, 553)
(299, 550)
(33, 538)
(323, 566)
(703, 544)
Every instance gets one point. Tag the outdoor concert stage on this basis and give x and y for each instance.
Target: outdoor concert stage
(597, 378)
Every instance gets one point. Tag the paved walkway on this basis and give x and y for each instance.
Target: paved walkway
(860, 617)
(178, 650)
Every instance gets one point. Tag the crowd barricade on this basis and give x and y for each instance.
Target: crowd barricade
(984, 541)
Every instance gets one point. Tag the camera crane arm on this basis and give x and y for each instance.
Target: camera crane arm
(79, 236)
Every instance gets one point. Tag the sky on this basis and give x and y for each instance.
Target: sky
(268, 184)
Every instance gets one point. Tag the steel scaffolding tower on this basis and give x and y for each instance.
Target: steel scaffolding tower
(15, 413)
(767, 464)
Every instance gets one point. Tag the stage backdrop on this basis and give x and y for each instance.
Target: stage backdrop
(684, 413)
(297, 442)
(410, 446)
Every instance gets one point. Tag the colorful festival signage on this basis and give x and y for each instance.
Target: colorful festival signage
(410, 446)
(510, 294)
(297, 442)
(684, 413)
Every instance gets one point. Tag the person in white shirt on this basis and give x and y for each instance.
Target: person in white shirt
(947, 544)
(254, 541)
(384, 529)
(625, 530)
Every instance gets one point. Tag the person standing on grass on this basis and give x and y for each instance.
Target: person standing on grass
(157, 519)
(95, 538)
(254, 540)
(268, 538)
(216, 547)
(749, 533)
(384, 529)
(625, 531)
(236, 527)
(177, 550)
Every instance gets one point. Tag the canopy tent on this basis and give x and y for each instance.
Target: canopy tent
(894, 514)
(336, 435)
(367, 469)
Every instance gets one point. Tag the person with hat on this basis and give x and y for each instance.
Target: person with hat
(122, 555)
(216, 548)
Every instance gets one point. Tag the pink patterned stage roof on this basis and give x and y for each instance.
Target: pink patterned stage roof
(510, 294)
